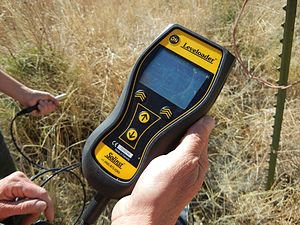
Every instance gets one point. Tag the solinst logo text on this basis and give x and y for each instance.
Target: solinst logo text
(197, 52)
(114, 160)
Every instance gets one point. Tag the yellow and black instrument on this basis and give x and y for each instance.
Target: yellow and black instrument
(173, 84)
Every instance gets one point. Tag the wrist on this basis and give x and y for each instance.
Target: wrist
(159, 218)
(140, 213)
(21, 94)
(126, 212)
(144, 219)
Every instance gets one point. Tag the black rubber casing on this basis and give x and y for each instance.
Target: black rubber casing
(166, 141)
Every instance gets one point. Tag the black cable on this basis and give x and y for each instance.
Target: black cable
(69, 167)
(18, 147)
(69, 170)
(94, 209)
(45, 170)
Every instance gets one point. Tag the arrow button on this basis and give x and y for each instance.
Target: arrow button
(144, 117)
(131, 134)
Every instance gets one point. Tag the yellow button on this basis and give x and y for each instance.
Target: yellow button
(144, 117)
(131, 134)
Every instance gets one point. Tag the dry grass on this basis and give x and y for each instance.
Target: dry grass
(87, 47)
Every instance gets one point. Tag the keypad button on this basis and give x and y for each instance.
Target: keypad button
(132, 134)
(144, 117)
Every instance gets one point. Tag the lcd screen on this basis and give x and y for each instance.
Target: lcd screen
(173, 77)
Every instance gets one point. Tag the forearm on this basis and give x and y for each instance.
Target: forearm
(11, 87)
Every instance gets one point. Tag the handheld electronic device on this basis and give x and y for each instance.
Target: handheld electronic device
(173, 84)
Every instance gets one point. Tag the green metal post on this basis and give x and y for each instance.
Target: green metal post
(287, 41)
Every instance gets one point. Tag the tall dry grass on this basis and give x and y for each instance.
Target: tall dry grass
(87, 48)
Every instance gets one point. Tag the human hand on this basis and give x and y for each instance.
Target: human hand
(34, 199)
(27, 96)
(47, 103)
(169, 182)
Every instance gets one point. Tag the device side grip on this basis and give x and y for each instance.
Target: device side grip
(91, 170)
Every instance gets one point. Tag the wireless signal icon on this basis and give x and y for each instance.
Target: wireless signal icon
(166, 111)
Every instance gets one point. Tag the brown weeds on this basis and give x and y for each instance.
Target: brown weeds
(93, 45)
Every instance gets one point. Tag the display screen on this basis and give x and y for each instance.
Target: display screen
(173, 77)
